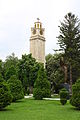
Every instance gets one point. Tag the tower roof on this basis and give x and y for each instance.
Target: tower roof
(38, 24)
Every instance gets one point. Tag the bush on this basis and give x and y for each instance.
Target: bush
(38, 94)
(42, 85)
(75, 99)
(63, 96)
(63, 101)
(16, 88)
(5, 95)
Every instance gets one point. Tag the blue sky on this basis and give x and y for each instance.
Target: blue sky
(18, 16)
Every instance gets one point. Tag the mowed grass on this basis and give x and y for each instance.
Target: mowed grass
(29, 109)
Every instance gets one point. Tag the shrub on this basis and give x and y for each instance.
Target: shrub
(42, 85)
(38, 94)
(75, 99)
(16, 88)
(63, 101)
(5, 95)
(63, 96)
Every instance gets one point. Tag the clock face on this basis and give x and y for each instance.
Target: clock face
(34, 31)
(41, 32)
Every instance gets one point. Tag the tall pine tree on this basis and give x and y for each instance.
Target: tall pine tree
(69, 41)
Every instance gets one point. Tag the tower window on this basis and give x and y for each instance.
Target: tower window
(37, 25)
(41, 32)
(34, 31)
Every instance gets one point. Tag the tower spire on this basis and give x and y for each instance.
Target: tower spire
(38, 19)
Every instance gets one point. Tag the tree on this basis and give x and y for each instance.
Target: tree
(28, 68)
(5, 94)
(64, 69)
(1, 66)
(10, 66)
(69, 41)
(9, 72)
(11, 60)
(54, 72)
(48, 56)
(16, 88)
(41, 85)
(75, 99)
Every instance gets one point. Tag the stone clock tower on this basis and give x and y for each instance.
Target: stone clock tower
(37, 42)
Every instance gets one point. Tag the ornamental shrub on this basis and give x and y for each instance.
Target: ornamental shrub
(63, 101)
(41, 85)
(75, 98)
(5, 95)
(37, 94)
(63, 96)
(16, 88)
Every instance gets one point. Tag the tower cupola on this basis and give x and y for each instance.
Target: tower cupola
(37, 29)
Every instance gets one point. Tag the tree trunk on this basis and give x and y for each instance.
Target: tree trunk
(65, 72)
(70, 79)
(64, 68)
(31, 89)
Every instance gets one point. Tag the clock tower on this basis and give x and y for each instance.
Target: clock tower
(37, 42)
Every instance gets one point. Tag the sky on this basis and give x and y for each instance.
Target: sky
(18, 16)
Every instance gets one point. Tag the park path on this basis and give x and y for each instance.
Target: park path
(31, 95)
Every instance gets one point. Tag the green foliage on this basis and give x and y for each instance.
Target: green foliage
(38, 94)
(11, 71)
(48, 56)
(42, 85)
(27, 73)
(16, 88)
(10, 66)
(1, 78)
(1, 64)
(11, 60)
(63, 96)
(54, 72)
(69, 42)
(63, 101)
(75, 99)
(5, 94)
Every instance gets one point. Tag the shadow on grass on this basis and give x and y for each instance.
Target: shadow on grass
(19, 101)
(6, 110)
(74, 109)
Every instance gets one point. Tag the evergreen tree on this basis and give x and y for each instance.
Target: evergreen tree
(75, 98)
(10, 66)
(16, 88)
(9, 72)
(69, 41)
(41, 85)
(5, 94)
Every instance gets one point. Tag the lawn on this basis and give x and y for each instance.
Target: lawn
(29, 109)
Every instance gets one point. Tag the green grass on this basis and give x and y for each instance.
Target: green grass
(29, 109)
